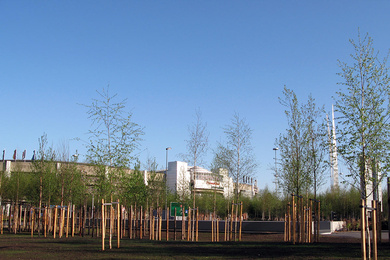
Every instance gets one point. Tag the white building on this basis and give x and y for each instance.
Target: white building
(373, 189)
(180, 177)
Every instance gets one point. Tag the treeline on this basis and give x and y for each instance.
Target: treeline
(343, 202)
(51, 183)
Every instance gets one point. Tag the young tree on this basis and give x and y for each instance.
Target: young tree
(183, 187)
(294, 174)
(303, 146)
(134, 188)
(71, 180)
(237, 155)
(15, 185)
(364, 111)
(113, 139)
(197, 147)
(317, 143)
(44, 169)
(156, 186)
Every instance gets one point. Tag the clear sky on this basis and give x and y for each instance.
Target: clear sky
(170, 58)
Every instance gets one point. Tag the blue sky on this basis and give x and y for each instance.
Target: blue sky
(169, 58)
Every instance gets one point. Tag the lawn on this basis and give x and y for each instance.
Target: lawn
(255, 246)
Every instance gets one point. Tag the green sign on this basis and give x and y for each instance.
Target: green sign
(176, 205)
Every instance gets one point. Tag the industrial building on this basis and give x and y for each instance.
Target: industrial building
(182, 178)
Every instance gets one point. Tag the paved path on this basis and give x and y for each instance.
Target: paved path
(355, 234)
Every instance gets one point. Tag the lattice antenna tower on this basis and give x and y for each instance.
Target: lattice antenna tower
(334, 168)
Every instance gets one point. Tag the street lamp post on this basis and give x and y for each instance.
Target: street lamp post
(166, 177)
(276, 171)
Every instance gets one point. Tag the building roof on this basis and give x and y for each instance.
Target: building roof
(198, 169)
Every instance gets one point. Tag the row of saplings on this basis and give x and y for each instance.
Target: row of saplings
(302, 224)
(132, 222)
(135, 222)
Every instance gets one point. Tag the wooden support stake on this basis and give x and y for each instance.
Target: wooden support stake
(144, 222)
(231, 222)
(294, 224)
(111, 225)
(73, 219)
(318, 221)
(304, 225)
(388, 206)
(118, 223)
(45, 222)
(136, 223)
(60, 223)
(20, 212)
(285, 228)
(123, 223)
(182, 223)
(287, 216)
(379, 220)
(97, 221)
(32, 221)
(140, 226)
(2, 218)
(301, 221)
(183, 227)
(311, 224)
(212, 228)
(55, 221)
(160, 226)
(15, 218)
(239, 236)
(174, 226)
(157, 224)
(363, 229)
(84, 218)
(24, 218)
(189, 225)
(130, 222)
(226, 221)
(197, 224)
(150, 224)
(67, 220)
(217, 230)
(103, 225)
(167, 216)
(374, 229)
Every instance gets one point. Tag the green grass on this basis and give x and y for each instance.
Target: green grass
(25, 247)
